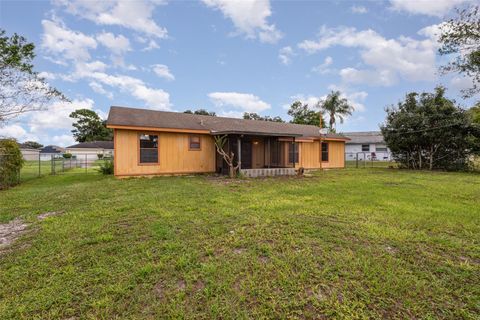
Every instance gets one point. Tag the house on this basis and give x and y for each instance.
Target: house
(47, 152)
(367, 145)
(29, 154)
(151, 142)
(91, 149)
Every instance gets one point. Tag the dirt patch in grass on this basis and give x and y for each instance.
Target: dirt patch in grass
(45, 215)
(9, 232)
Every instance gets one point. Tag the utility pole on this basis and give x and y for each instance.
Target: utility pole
(320, 131)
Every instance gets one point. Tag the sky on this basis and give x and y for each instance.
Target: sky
(229, 56)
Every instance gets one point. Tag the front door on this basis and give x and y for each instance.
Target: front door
(246, 154)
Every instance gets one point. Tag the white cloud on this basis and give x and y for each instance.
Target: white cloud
(17, 132)
(244, 101)
(47, 75)
(323, 67)
(154, 98)
(162, 71)
(56, 116)
(61, 41)
(358, 9)
(249, 18)
(390, 59)
(98, 88)
(63, 140)
(370, 77)
(437, 8)
(117, 44)
(285, 55)
(134, 15)
(355, 98)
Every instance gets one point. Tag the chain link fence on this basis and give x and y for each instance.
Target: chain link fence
(40, 164)
(369, 160)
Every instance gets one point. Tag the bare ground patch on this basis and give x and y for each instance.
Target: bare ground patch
(11, 231)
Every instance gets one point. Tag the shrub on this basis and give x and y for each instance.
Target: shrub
(100, 155)
(11, 161)
(67, 155)
(106, 167)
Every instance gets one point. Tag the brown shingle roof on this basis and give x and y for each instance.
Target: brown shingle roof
(122, 116)
(93, 145)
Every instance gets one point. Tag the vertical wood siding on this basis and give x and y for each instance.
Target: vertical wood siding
(310, 155)
(174, 154)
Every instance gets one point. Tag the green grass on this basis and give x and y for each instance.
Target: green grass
(349, 243)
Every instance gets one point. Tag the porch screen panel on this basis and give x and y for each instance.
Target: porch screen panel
(325, 151)
(275, 152)
(293, 152)
(148, 148)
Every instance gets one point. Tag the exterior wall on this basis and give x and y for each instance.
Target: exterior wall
(174, 154)
(310, 155)
(351, 150)
(90, 153)
(30, 154)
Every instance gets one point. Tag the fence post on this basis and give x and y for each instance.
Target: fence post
(63, 164)
(356, 161)
(52, 165)
(39, 165)
(86, 168)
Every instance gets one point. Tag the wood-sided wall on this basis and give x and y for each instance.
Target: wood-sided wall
(174, 154)
(310, 155)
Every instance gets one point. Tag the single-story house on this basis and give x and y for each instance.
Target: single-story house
(29, 154)
(368, 145)
(91, 149)
(151, 142)
(47, 152)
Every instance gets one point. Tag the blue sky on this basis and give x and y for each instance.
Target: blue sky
(228, 56)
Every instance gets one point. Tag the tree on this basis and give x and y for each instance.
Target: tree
(301, 114)
(32, 145)
(21, 89)
(427, 131)
(11, 162)
(229, 157)
(461, 36)
(475, 113)
(256, 116)
(89, 126)
(336, 107)
(201, 112)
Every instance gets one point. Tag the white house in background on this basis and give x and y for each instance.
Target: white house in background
(29, 154)
(366, 145)
(91, 149)
(47, 152)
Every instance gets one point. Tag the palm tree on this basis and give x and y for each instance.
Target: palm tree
(336, 107)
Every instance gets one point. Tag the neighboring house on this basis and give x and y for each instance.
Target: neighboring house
(47, 152)
(29, 154)
(151, 142)
(91, 149)
(366, 145)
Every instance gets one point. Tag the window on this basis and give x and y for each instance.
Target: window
(325, 151)
(365, 147)
(194, 143)
(293, 152)
(148, 148)
(381, 149)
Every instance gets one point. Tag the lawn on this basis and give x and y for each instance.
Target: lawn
(354, 243)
